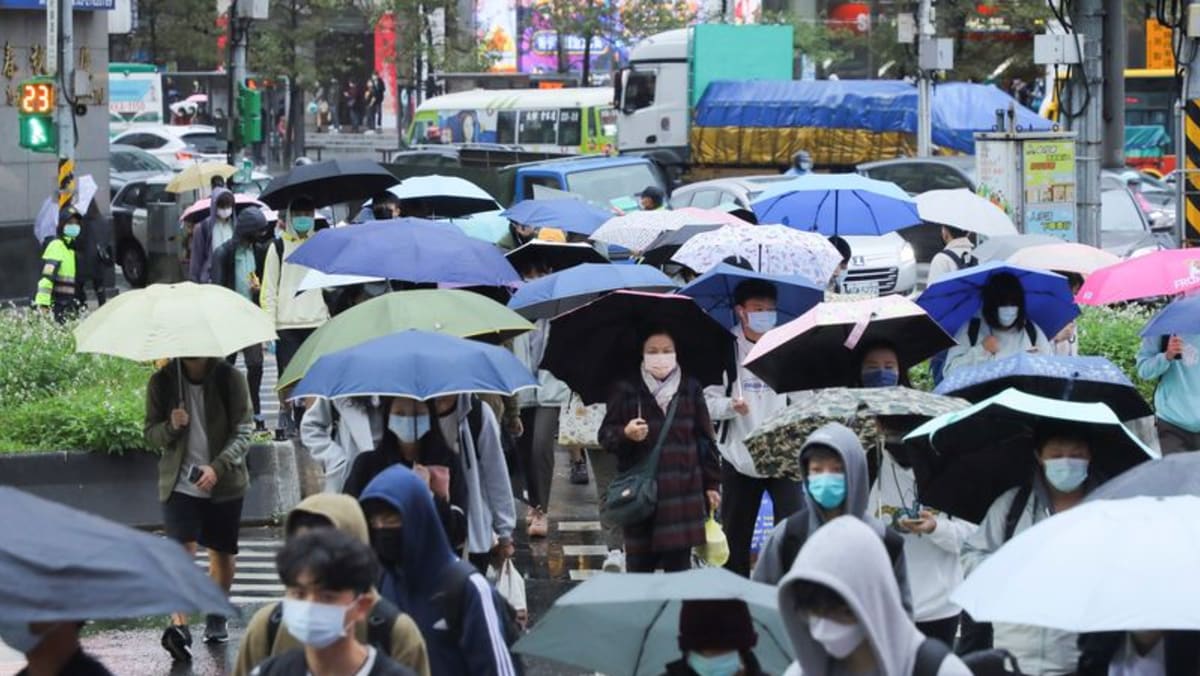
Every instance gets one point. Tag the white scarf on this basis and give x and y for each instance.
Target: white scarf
(663, 391)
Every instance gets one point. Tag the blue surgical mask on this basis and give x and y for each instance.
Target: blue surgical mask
(880, 378)
(829, 489)
(20, 638)
(761, 322)
(1066, 474)
(302, 224)
(72, 230)
(725, 664)
(1007, 315)
(408, 428)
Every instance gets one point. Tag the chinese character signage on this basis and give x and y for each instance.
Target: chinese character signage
(1049, 177)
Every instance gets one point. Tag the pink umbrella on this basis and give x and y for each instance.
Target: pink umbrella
(199, 210)
(819, 348)
(1160, 273)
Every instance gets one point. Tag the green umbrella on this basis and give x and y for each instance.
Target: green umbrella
(632, 621)
(775, 445)
(455, 312)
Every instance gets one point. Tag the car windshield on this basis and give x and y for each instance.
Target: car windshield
(204, 142)
(130, 160)
(1118, 212)
(604, 186)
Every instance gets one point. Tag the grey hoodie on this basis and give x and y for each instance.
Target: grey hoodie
(771, 566)
(847, 556)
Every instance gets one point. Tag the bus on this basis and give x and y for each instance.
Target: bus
(1150, 95)
(570, 120)
(135, 95)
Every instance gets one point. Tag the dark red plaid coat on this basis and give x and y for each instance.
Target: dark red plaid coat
(687, 466)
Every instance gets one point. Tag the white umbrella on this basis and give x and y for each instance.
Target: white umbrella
(771, 249)
(315, 279)
(1108, 565)
(637, 230)
(447, 195)
(1065, 256)
(960, 208)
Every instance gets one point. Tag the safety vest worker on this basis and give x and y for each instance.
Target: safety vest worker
(56, 288)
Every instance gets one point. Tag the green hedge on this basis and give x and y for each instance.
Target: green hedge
(52, 398)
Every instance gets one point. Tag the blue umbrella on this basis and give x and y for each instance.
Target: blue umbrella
(837, 204)
(713, 291)
(415, 364)
(408, 249)
(1086, 379)
(563, 291)
(954, 299)
(569, 215)
(1180, 318)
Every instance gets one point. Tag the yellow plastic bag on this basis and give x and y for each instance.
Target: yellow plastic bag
(715, 550)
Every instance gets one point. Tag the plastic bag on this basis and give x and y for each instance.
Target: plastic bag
(511, 585)
(715, 550)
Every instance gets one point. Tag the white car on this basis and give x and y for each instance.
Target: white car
(178, 146)
(878, 264)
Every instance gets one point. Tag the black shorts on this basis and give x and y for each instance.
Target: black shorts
(214, 525)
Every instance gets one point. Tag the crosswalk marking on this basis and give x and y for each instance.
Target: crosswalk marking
(581, 575)
(255, 580)
(585, 550)
(578, 526)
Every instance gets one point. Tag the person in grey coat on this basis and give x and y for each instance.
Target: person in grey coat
(335, 432)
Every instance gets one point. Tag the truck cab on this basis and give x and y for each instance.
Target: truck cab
(652, 96)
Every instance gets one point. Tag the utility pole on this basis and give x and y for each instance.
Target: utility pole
(60, 51)
(924, 80)
(1187, 142)
(1087, 91)
(237, 75)
(1114, 55)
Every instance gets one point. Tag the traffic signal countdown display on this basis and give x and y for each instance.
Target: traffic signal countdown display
(36, 102)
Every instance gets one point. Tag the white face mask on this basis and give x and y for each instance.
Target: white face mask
(839, 640)
(659, 365)
(224, 214)
(1007, 315)
(318, 625)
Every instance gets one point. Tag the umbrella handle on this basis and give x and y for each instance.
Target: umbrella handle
(179, 372)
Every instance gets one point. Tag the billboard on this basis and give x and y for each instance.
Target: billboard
(496, 24)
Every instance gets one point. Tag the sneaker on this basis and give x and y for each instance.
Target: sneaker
(260, 425)
(579, 472)
(177, 640)
(215, 630)
(538, 526)
(615, 562)
(280, 434)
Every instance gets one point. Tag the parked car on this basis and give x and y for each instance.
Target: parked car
(878, 264)
(916, 175)
(178, 146)
(1125, 229)
(127, 163)
(130, 219)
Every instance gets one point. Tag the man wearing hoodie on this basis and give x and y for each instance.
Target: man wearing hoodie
(738, 408)
(296, 316)
(464, 637)
(842, 610)
(267, 633)
(210, 235)
(836, 483)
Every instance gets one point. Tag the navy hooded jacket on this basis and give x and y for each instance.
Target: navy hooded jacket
(481, 648)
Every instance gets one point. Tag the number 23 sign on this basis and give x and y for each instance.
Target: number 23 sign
(36, 97)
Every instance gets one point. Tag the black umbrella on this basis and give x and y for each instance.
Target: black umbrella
(329, 182)
(593, 346)
(553, 255)
(665, 245)
(58, 564)
(1175, 474)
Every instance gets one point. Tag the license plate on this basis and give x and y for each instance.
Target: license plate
(862, 287)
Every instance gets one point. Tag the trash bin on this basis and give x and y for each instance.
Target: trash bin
(163, 243)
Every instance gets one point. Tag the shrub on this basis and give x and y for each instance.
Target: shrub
(1113, 332)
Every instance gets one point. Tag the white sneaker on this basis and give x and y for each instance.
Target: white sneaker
(615, 563)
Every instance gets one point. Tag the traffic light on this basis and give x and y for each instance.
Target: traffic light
(249, 106)
(36, 100)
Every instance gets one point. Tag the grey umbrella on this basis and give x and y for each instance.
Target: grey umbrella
(1175, 474)
(59, 564)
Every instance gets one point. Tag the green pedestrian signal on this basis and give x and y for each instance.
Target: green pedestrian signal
(249, 108)
(36, 100)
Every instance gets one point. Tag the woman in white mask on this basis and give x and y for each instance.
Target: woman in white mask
(660, 396)
(413, 441)
(1001, 328)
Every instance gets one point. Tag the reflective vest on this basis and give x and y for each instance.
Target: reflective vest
(58, 274)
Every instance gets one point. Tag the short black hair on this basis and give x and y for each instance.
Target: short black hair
(225, 198)
(1003, 288)
(217, 181)
(655, 193)
(955, 233)
(1052, 431)
(653, 329)
(335, 560)
(754, 288)
(302, 204)
(818, 451)
(842, 246)
(810, 596)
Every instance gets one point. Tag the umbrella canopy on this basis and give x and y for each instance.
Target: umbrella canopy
(773, 249)
(408, 249)
(967, 459)
(714, 291)
(315, 279)
(636, 230)
(445, 195)
(775, 445)
(1087, 379)
(1002, 248)
(608, 332)
(450, 311)
(1064, 256)
(1174, 474)
(1180, 318)
(818, 349)
(415, 364)
(164, 321)
(488, 226)
(564, 291)
(328, 182)
(199, 209)
(664, 247)
(955, 298)
(1105, 565)
(633, 621)
(569, 215)
(722, 214)
(59, 564)
(837, 204)
(1158, 273)
(199, 176)
(963, 209)
(554, 255)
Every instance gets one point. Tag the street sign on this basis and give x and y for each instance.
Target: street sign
(52, 37)
(1031, 176)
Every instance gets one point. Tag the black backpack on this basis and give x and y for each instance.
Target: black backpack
(452, 597)
(962, 261)
(933, 652)
(380, 622)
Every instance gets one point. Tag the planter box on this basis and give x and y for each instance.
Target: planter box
(124, 488)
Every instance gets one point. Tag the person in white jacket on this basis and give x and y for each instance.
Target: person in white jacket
(296, 316)
(1002, 327)
(335, 432)
(540, 409)
(958, 254)
(738, 408)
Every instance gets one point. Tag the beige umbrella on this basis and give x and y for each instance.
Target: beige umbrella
(1064, 256)
(198, 176)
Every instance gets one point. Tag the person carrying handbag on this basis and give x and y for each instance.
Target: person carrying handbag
(657, 424)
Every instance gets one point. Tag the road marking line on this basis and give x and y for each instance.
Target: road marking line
(580, 575)
(585, 550)
(578, 526)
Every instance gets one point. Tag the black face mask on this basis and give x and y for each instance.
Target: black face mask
(388, 544)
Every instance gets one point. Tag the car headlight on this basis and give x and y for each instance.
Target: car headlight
(907, 254)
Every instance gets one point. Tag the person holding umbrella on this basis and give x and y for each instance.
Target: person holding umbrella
(1001, 328)
(661, 412)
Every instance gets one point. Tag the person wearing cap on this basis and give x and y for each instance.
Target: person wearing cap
(716, 637)
(651, 198)
(801, 164)
(56, 287)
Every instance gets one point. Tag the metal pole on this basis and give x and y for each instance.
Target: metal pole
(231, 87)
(924, 82)
(1187, 140)
(1088, 91)
(238, 71)
(1114, 84)
(65, 114)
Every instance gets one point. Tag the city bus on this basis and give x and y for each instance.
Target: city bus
(1150, 101)
(569, 120)
(135, 95)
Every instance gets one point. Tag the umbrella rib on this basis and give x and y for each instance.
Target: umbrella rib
(646, 636)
